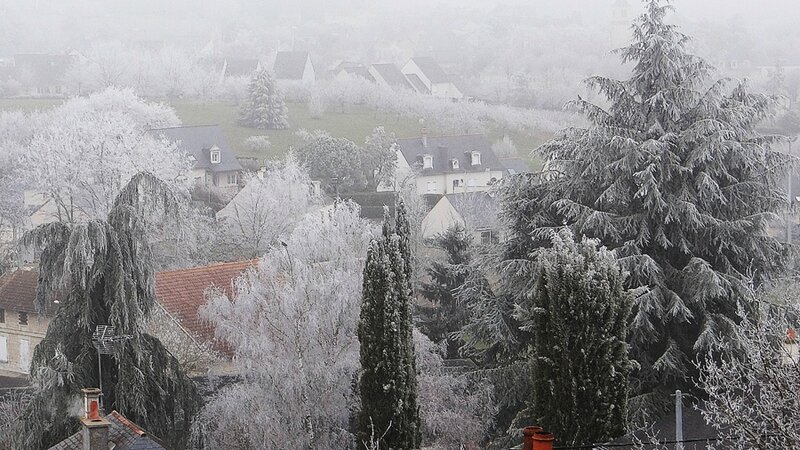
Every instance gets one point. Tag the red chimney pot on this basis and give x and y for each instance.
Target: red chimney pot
(527, 437)
(543, 440)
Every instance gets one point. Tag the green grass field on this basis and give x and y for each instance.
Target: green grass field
(354, 123)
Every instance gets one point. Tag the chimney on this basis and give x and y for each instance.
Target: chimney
(542, 440)
(425, 137)
(527, 436)
(94, 430)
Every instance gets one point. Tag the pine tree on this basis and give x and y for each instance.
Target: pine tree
(265, 108)
(101, 271)
(447, 315)
(388, 382)
(577, 312)
(673, 177)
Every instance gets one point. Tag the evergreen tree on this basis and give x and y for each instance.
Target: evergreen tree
(101, 271)
(577, 313)
(673, 177)
(447, 315)
(264, 108)
(388, 382)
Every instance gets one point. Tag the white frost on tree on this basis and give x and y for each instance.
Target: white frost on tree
(265, 107)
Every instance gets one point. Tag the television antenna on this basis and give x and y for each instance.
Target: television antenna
(105, 340)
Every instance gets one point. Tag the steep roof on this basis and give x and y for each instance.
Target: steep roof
(182, 292)
(392, 75)
(372, 203)
(444, 149)
(45, 70)
(240, 67)
(197, 141)
(419, 86)
(18, 290)
(431, 69)
(124, 434)
(480, 208)
(514, 166)
(290, 65)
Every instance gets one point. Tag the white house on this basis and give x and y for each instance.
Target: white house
(294, 68)
(447, 164)
(388, 75)
(476, 212)
(425, 73)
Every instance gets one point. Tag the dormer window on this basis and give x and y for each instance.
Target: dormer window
(454, 163)
(214, 155)
(476, 158)
(427, 162)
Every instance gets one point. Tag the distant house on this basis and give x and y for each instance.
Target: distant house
(477, 212)
(42, 75)
(425, 71)
(389, 76)
(514, 166)
(294, 68)
(215, 164)
(447, 164)
(240, 67)
(21, 326)
(111, 431)
(353, 69)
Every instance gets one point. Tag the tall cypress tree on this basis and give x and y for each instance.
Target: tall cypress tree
(673, 177)
(388, 382)
(265, 107)
(103, 272)
(577, 313)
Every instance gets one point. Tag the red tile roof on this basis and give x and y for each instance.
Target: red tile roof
(182, 292)
(18, 290)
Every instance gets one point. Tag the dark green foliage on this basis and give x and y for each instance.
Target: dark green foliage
(673, 177)
(102, 272)
(447, 315)
(335, 162)
(388, 382)
(577, 311)
(265, 107)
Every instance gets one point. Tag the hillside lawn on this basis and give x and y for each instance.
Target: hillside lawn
(354, 123)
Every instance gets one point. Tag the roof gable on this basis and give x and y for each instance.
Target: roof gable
(290, 65)
(392, 75)
(431, 69)
(197, 141)
(444, 149)
(18, 290)
(124, 434)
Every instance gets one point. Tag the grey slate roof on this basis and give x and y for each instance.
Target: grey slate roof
(431, 69)
(446, 148)
(419, 86)
(481, 208)
(240, 67)
(392, 75)
(290, 65)
(514, 166)
(125, 435)
(197, 140)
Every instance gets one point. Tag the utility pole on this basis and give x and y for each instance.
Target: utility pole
(678, 420)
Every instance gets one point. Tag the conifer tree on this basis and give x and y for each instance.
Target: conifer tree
(673, 177)
(101, 271)
(577, 313)
(388, 382)
(447, 315)
(265, 107)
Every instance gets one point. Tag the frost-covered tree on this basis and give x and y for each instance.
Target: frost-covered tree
(752, 397)
(335, 162)
(265, 107)
(446, 315)
(577, 311)
(101, 272)
(266, 209)
(379, 157)
(292, 327)
(388, 380)
(673, 177)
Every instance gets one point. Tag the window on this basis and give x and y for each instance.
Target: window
(454, 162)
(215, 157)
(2, 315)
(456, 183)
(23, 318)
(24, 354)
(476, 158)
(232, 178)
(427, 162)
(489, 237)
(3, 349)
(431, 187)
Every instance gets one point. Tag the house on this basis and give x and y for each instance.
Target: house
(240, 67)
(389, 76)
(447, 164)
(215, 164)
(514, 166)
(42, 75)
(425, 71)
(294, 68)
(104, 432)
(179, 293)
(476, 212)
